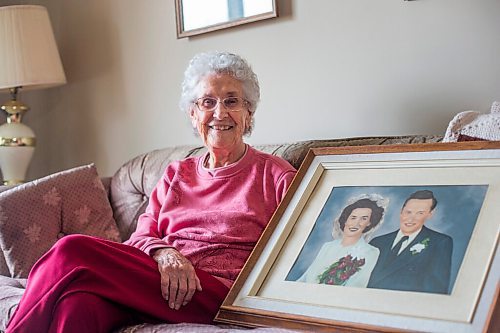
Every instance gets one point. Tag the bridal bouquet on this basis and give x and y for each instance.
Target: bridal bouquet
(339, 272)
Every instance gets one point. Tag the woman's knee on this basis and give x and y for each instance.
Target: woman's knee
(74, 246)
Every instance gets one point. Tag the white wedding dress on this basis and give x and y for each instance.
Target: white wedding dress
(332, 251)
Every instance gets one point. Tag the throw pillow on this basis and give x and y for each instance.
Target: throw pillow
(34, 215)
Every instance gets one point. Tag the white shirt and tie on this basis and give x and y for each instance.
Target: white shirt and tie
(405, 243)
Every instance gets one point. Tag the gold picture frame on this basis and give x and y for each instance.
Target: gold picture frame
(265, 295)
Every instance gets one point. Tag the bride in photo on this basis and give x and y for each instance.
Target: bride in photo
(348, 260)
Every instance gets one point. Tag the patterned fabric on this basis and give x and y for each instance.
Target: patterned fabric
(33, 216)
(4, 269)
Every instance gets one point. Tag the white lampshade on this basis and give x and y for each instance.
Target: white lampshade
(29, 59)
(28, 52)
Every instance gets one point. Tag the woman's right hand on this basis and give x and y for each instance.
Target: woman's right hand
(178, 277)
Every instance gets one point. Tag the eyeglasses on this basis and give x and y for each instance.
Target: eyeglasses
(209, 104)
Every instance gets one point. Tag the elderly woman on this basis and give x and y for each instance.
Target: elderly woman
(203, 219)
(349, 260)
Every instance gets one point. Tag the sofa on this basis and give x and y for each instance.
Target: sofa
(126, 194)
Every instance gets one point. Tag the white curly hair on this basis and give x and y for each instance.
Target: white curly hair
(215, 62)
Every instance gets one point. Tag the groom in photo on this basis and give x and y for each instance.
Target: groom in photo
(413, 258)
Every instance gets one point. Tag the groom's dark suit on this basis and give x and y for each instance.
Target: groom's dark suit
(425, 271)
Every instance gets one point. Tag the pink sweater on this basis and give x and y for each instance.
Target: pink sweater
(213, 217)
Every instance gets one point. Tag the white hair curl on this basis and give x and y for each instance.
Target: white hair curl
(215, 62)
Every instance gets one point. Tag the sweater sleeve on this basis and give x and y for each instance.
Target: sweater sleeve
(147, 236)
(283, 184)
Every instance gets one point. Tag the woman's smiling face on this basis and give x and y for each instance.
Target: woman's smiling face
(220, 129)
(357, 221)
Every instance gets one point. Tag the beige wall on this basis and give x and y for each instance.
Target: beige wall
(328, 68)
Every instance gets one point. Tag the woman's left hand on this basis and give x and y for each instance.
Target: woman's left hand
(178, 277)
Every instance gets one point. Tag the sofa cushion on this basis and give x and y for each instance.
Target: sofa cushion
(199, 328)
(11, 291)
(295, 152)
(33, 216)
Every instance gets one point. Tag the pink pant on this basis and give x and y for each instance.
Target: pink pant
(86, 284)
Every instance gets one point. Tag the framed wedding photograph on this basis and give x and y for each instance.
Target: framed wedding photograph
(380, 239)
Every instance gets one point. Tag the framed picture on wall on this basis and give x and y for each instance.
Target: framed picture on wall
(380, 238)
(195, 17)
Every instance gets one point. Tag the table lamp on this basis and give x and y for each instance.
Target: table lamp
(28, 60)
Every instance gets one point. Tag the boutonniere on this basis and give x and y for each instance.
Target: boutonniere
(419, 247)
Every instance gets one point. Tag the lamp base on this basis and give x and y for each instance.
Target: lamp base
(17, 145)
(17, 142)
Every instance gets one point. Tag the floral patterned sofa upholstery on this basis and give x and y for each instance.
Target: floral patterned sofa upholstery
(128, 191)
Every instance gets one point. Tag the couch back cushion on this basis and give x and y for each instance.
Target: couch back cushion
(133, 183)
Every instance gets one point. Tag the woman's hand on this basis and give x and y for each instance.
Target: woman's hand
(178, 277)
